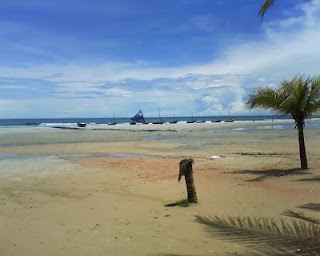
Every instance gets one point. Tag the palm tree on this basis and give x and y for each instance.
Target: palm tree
(299, 98)
(267, 4)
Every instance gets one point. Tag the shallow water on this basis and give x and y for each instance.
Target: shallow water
(13, 156)
(279, 127)
(118, 155)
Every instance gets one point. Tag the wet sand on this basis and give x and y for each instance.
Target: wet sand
(99, 192)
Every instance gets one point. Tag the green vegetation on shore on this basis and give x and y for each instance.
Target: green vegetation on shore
(299, 98)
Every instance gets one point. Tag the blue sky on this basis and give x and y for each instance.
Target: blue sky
(68, 58)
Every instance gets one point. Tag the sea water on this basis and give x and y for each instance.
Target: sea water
(52, 122)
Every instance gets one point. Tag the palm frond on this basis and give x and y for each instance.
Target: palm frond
(286, 91)
(297, 91)
(299, 97)
(302, 89)
(299, 87)
(265, 7)
(266, 98)
(313, 101)
(316, 106)
(278, 236)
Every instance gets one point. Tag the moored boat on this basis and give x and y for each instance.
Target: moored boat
(160, 121)
(82, 124)
(33, 123)
(174, 121)
(230, 120)
(113, 122)
(192, 120)
(138, 118)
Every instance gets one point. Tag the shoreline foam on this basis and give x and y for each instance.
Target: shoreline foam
(183, 126)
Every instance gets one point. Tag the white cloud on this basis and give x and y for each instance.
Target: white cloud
(3, 86)
(288, 47)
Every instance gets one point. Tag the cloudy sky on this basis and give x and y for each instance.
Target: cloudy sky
(81, 58)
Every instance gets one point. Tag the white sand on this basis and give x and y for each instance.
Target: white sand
(54, 204)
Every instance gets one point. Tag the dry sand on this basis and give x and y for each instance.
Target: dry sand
(89, 192)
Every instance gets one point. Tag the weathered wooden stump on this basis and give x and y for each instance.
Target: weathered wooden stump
(186, 171)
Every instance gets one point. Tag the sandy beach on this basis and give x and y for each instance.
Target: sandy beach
(103, 192)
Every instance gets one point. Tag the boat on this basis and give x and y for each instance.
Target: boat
(33, 123)
(174, 121)
(138, 118)
(114, 121)
(216, 121)
(81, 124)
(191, 121)
(230, 120)
(160, 121)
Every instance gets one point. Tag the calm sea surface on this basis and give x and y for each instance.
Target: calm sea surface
(66, 121)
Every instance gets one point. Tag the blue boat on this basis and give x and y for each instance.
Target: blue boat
(138, 118)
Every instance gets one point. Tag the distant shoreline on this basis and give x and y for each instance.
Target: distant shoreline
(180, 126)
(31, 122)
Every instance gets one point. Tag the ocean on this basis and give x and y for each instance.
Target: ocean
(51, 122)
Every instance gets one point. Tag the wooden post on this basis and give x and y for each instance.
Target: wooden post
(186, 171)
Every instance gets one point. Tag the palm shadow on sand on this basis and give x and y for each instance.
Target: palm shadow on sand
(266, 236)
(312, 179)
(173, 254)
(179, 203)
(215, 254)
(269, 173)
(301, 216)
(310, 206)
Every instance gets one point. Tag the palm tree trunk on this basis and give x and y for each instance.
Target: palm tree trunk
(186, 170)
(191, 189)
(302, 147)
